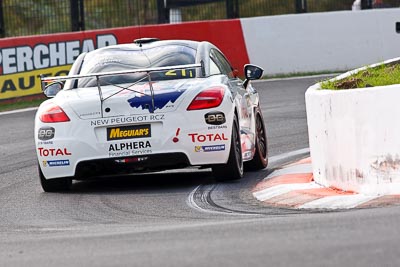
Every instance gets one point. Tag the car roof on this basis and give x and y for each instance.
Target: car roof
(150, 44)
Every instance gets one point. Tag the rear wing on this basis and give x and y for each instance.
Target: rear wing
(57, 79)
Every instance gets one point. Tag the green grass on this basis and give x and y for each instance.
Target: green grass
(370, 77)
(20, 104)
(301, 74)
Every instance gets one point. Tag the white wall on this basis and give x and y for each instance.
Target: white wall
(317, 42)
(354, 138)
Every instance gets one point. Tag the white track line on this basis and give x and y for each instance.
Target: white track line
(281, 189)
(295, 169)
(337, 202)
(277, 158)
(192, 203)
(18, 111)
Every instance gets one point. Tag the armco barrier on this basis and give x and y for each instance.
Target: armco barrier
(354, 136)
(23, 59)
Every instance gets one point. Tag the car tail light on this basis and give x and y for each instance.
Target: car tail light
(209, 98)
(53, 113)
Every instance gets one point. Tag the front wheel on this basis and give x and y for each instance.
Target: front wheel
(233, 169)
(55, 185)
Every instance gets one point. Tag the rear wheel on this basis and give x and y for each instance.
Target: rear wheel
(233, 169)
(260, 159)
(55, 185)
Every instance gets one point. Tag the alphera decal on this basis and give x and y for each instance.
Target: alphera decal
(129, 149)
(161, 99)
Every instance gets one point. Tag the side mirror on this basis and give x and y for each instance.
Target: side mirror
(253, 72)
(52, 89)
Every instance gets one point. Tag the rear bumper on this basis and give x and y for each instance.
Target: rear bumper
(81, 148)
(135, 164)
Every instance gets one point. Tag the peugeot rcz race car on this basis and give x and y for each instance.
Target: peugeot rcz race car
(149, 106)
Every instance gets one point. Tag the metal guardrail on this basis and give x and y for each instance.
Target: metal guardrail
(31, 17)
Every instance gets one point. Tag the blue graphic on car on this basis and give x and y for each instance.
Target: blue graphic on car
(161, 99)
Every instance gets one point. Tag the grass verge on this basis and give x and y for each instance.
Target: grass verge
(370, 77)
(19, 103)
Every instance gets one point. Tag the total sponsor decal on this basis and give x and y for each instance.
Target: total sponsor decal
(209, 148)
(130, 119)
(129, 149)
(21, 66)
(128, 132)
(161, 99)
(55, 163)
(212, 137)
(53, 152)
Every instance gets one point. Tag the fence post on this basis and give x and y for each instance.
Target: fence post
(162, 12)
(81, 15)
(366, 4)
(77, 15)
(2, 28)
(301, 6)
(232, 9)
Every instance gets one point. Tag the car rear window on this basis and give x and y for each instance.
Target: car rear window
(122, 58)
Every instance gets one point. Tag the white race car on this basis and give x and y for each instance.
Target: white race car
(149, 106)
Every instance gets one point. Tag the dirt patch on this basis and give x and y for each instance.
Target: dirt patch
(348, 84)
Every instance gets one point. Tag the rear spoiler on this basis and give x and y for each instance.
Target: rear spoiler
(44, 80)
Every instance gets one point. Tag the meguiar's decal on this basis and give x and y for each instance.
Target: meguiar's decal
(128, 132)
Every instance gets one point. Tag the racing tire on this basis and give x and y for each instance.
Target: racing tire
(55, 185)
(233, 169)
(260, 159)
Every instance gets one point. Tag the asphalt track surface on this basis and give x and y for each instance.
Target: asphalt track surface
(183, 218)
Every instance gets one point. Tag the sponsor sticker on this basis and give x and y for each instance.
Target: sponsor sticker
(215, 118)
(129, 149)
(212, 137)
(46, 133)
(131, 119)
(209, 148)
(53, 152)
(128, 132)
(160, 100)
(55, 163)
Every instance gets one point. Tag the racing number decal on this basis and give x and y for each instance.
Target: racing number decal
(182, 73)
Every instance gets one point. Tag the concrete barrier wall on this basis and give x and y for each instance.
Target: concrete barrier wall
(318, 42)
(353, 138)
